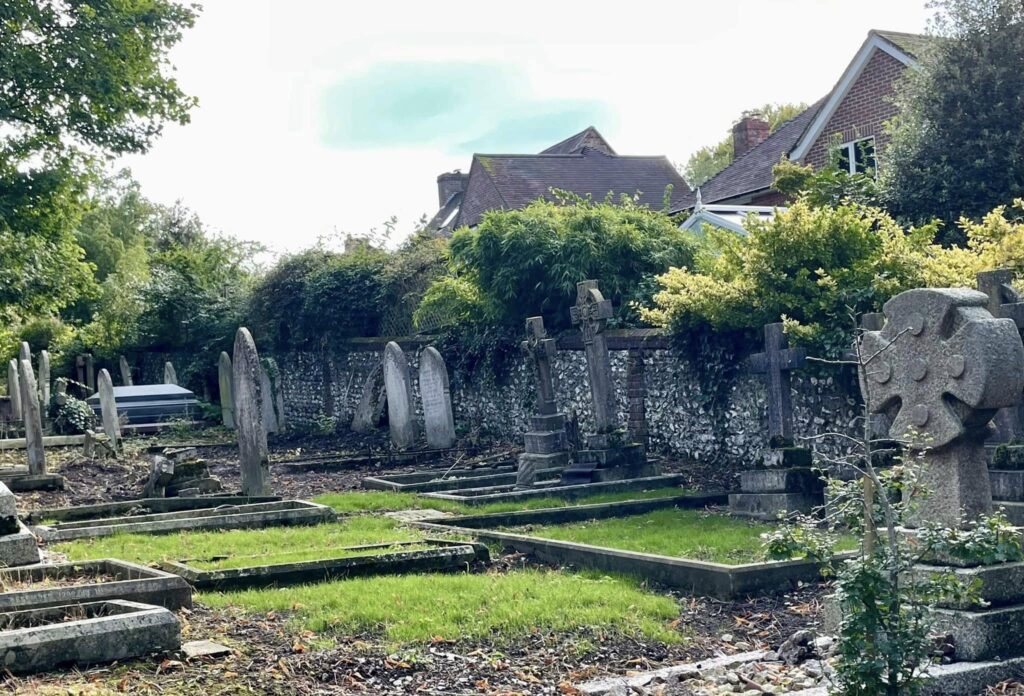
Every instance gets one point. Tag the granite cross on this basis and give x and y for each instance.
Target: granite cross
(775, 363)
(1004, 302)
(541, 351)
(591, 313)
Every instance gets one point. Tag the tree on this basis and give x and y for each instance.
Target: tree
(957, 144)
(711, 159)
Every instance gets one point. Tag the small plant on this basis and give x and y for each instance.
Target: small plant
(73, 416)
(992, 540)
(324, 424)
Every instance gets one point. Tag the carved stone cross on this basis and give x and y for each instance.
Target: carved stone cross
(541, 351)
(591, 313)
(1004, 302)
(775, 363)
(942, 367)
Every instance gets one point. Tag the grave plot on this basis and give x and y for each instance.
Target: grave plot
(286, 512)
(553, 488)
(141, 506)
(500, 474)
(45, 585)
(36, 640)
(222, 573)
(671, 541)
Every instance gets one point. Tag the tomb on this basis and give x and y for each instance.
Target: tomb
(151, 403)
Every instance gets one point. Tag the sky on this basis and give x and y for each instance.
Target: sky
(320, 118)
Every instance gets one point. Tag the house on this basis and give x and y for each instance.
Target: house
(848, 124)
(583, 164)
(726, 216)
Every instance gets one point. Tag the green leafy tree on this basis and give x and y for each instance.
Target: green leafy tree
(829, 186)
(956, 147)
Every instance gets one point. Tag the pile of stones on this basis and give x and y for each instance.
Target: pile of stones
(177, 472)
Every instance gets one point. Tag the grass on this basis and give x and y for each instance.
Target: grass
(296, 556)
(421, 608)
(377, 501)
(672, 532)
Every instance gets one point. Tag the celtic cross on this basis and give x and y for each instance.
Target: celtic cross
(541, 351)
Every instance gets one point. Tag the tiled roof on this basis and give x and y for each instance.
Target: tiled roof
(514, 181)
(914, 45)
(588, 137)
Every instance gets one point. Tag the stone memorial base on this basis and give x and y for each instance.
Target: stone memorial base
(608, 457)
(546, 448)
(788, 484)
(18, 548)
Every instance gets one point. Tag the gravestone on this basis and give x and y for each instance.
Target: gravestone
(372, 401)
(170, 375)
(945, 365)
(25, 351)
(270, 422)
(401, 419)
(90, 374)
(248, 394)
(14, 389)
(545, 443)
(435, 395)
(785, 482)
(33, 419)
(276, 393)
(44, 382)
(609, 456)
(126, 371)
(108, 410)
(227, 401)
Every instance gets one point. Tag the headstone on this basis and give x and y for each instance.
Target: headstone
(14, 389)
(33, 419)
(270, 423)
(609, 454)
(435, 395)
(25, 351)
(126, 371)
(161, 472)
(108, 410)
(90, 374)
(401, 419)
(227, 402)
(60, 391)
(170, 376)
(248, 394)
(44, 381)
(80, 369)
(944, 366)
(545, 443)
(372, 401)
(277, 391)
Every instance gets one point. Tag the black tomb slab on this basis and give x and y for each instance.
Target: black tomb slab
(151, 403)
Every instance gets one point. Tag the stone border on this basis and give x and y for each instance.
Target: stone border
(285, 512)
(33, 482)
(457, 481)
(100, 510)
(121, 630)
(134, 583)
(450, 555)
(508, 494)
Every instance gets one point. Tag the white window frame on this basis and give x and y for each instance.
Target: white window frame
(851, 152)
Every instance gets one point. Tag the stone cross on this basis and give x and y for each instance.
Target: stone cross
(775, 363)
(32, 417)
(591, 313)
(435, 395)
(108, 409)
(248, 395)
(944, 366)
(541, 351)
(44, 381)
(126, 371)
(170, 376)
(227, 401)
(14, 389)
(1004, 302)
(399, 389)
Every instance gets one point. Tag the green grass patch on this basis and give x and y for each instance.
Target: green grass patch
(694, 534)
(419, 608)
(297, 543)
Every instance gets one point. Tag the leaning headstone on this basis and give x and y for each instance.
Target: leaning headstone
(436, 397)
(227, 402)
(14, 389)
(270, 423)
(44, 381)
(170, 376)
(33, 419)
(372, 400)
(944, 366)
(545, 444)
(17, 544)
(108, 410)
(401, 419)
(126, 371)
(248, 394)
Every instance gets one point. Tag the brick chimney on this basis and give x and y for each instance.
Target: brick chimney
(748, 133)
(449, 183)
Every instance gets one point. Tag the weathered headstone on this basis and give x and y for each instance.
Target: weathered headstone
(14, 389)
(277, 392)
(248, 395)
(60, 391)
(24, 351)
(108, 410)
(227, 401)
(609, 455)
(401, 419)
(161, 472)
(372, 401)
(44, 381)
(90, 374)
(270, 423)
(946, 367)
(126, 371)
(32, 417)
(170, 375)
(435, 395)
(545, 443)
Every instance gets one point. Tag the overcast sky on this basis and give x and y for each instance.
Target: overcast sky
(321, 116)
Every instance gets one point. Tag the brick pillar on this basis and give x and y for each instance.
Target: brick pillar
(636, 396)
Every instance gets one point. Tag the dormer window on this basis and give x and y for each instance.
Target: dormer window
(857, 156)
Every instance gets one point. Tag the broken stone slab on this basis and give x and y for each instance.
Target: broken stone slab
(121, 580)
(196, 486)
(668, 676)
(18, 548)
(204, 648)
(161, 473)
(83, 634)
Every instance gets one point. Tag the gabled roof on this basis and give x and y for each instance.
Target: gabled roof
(514, 181)
(588, 137)
(914, 45)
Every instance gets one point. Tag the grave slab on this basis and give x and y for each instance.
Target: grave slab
(146, 505)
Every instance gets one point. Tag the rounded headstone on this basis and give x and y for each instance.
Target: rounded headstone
(435, 395)
(248, 396)
(399, 389)
(227, 401)
(108, 408)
